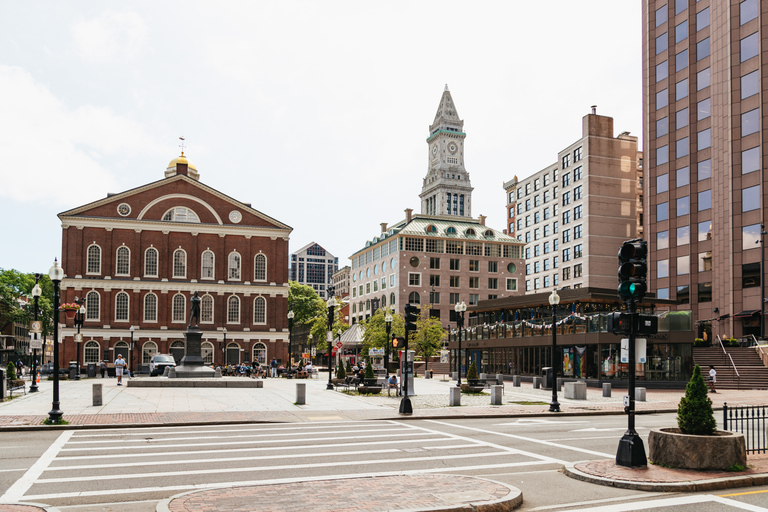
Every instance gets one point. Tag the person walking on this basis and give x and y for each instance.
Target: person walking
(273, 366)
(119, 366)
(712, 379)
(103, 368)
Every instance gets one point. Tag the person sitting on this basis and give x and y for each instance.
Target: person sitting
(308, 369)
(392, 384)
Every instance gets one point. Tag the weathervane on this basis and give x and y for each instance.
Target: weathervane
(182, 145)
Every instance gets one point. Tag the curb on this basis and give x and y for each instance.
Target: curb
(510, 502)
(690, 486)
(32, 428)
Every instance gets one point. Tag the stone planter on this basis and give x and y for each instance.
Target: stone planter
(469, 388)
(669, 448)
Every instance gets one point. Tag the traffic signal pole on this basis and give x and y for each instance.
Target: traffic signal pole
(411, 314)
(631, 451)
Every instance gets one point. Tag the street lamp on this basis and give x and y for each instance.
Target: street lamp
(459, 308)
(762, 279)
(56, 273)
(79, 319)
(388, 320)
(224, 349)
(554, 300)
(36, 292)
(130, 359)
(331, 312)
(309, 342)
(291, 314)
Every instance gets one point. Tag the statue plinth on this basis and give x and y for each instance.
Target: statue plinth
(192, 365)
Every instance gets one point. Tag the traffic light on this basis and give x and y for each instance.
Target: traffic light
(647, 324)
(411, 315)
(620, 323)
(398, 342)
(633, 268)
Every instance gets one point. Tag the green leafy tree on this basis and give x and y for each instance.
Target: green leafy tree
(319, 328)
(375, 335)
(472, 372)
(15, 285)
(10, 371)
(307, 304)
(340, 372)
(429, 335)
(694, 413)
(369, 371)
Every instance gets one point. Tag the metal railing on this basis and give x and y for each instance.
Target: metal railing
(734, 371)
(750, 420)
(763, 353)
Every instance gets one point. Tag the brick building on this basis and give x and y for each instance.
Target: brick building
(138, 256)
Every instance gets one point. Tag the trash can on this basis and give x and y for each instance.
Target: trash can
(91, 370)
(547, 377)
(72, 369)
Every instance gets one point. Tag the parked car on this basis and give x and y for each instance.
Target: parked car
(47, 369)
(159, 362)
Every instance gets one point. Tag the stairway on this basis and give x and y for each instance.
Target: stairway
(437, 368)
(752, 373)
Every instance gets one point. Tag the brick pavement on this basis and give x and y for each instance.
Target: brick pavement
(372, 494)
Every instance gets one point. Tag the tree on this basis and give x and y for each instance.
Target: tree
(375, 335)
(429, 335)
(694, 413)
(319, 327)
(17, 303)
(307, 304)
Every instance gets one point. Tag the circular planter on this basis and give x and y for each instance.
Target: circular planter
(669, 448)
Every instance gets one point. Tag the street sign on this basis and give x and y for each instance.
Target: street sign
(334, 350)
(626, 401)
(339, 344)
(36, 344)
(36, 326)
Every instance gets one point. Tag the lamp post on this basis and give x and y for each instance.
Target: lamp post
(554, 300)
(56, 273)
(762, 280)
(459, 308)
(224, 349)
(309, 342)
(79, 319)
(388, 321)
(291, 314)
(36, 292)
(130, 359)
(331, 314)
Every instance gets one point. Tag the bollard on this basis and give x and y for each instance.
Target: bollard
(536, 382)
(576, 390)
(97, 395)
(171, 372)
(607, 389)
(640, 394)
(496, 395)
(301, 393)
(455, 396)
(166, 370)
(516, 381)
(454, 375)
(217, 373)
(559, 383)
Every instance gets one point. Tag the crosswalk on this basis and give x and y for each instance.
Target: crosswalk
(128, 464)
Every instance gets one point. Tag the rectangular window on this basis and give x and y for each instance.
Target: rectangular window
(683, 294)
(682, 177)
(681, 118)
(683, 235)
(367, 288)
(750, 160)
(704, 138)
(493, 266)
(704, 169)
(474, 265)
(683, 265)
(702, 19)
(662, 183)
(662, 99)
(455, 281)
(661, 15)
(546, 247)
(577, 251)
(555, 227)
(704, 109)
(434, 263)
(681, 31)
(750, 198)
(566, 217)
(577, 173)
(680, 6)
(511, 284)
(577, 270)
(454, 298)
(681, 60)
(535, 250)
(528, 269)
(577, 230)
(750, 122)
(662, 126)
(747, 11)
(749, 47)
(662, 211)
(546, 264)
(434, 297)
(577, 193)
(705, 230)
(662, 269)
(702, 49)
(705, 200)
(555, 261)
(473, 298)
(702, 79)
(566, 254)
(577, 212)
(493, 283)
(536, 267)
(750, 275)
(662, 71)
(662, 240)
(566, 273)
(566, 179)
(750, 236)
(662, 155)
(566, 198)
(474, 282)
(661, 43)
(566, 236)
(392, 280)
(455, 264)
(750, 84)
(705, 261)
(566, 161)
(681, 147)
(681, 90)
(434, 280)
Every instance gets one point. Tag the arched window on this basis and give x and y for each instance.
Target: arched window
(121, 307)
(179, 313)
(180, 214)
(123, 261)
(233, 310)
(206, 351)
(470, 232)
(259, 353)
(206, 309)
(368, 305)
(260, 310)
(150, 262)
(414, 298)
(354, 308)
(150, 307)
(383, 301)
(91, 352)
(208, 265)
(392, 299)
(94, 260)
(450, 231)
(147, 351)
(260, 267)
(488, 233)
(177, 350)
(234, 266)
(179, 263)
(92, 302)
(233, 354)
(121, 348)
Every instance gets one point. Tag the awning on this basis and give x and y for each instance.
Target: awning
(747, 314)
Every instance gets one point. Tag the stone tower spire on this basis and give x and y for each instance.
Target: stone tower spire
(446, 189)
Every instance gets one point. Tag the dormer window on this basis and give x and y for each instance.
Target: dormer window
(470, 232)
(450, 231)
(431, 229)
(489, 233)
(180, 214)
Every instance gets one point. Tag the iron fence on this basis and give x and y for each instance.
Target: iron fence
(750, 420)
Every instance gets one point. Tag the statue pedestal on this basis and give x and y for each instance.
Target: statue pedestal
(192, 366)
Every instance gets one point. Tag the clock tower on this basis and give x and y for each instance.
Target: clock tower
(446, 189)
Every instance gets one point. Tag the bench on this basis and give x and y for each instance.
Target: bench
(493, 381)
(12, 387)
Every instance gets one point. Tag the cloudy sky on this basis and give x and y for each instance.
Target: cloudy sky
(316, 112)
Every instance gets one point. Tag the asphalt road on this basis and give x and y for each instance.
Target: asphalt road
(132, 469)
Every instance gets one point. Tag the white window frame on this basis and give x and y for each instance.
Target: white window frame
(204, 299)
(157, 262)
(260, 256)
(173, 264)
(182, 317)
(88, 270)
(127, 306)
(229, 309)
(235, 257)
(147, 318)
(513, 282)
(257, 348)
(123, 249)
(92, 313)
(256, 302)
(89, 345)
(148, 349)
(213, 265)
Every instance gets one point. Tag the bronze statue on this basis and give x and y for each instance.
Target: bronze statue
(194, 314)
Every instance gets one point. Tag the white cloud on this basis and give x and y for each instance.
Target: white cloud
(111, 36)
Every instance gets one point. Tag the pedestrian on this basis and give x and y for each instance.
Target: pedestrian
(19, 368)
(119, 366)
(712, 379)
(273, 367)
(103, 368)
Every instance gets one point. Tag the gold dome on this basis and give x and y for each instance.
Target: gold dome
(182, 160)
